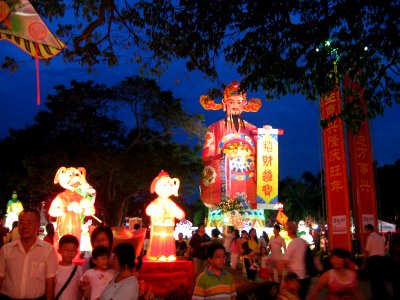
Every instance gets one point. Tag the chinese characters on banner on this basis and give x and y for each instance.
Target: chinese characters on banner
(267, 168)
(336, 179)
(361, 168)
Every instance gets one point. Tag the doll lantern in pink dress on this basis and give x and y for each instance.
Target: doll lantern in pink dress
(163, 212)
(76, 201)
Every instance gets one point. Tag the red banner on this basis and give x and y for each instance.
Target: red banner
(361, 170)
(336, 179)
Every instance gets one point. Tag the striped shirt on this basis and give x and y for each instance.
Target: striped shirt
(212, 286)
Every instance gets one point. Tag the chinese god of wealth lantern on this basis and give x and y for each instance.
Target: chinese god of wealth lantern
(76, 201)
(163, 212)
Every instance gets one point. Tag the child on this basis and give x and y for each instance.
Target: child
(68, 247)
(95, 280)
(290, 288)
(254, 261)
(263, 273)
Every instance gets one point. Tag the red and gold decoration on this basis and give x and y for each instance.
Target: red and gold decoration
(336, 175)
(361, 167)
(163, 212)
(76, 201)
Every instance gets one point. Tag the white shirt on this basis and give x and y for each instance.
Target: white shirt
(72, 290)
(98, 280)
(126, 289)
(296, 257)
(228, 241)
(276, 244)
(24, 274)
(375, 245)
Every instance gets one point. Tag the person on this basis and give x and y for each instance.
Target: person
(290, 287)
(28, 265)
(394, 254)
(276, 247)
(264, 263)
(264, 240)
(181, 246)
(14, 234)
(215, 282)
(236, 247)
(375, 262)
(227, 242)
(146, 242)
(229, 150)
(124, 285)
(340, 281)
(294, 259)
(95, 280)
(3, 231)
(162, 212)
(215, 236)
(199, 243)
(50, 233)
(68, 247)
(100, 236)
(250, 257)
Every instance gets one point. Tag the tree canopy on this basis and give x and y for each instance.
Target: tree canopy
(281, 47)
(81, 128)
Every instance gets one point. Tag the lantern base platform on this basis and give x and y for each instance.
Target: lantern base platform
(170, 279)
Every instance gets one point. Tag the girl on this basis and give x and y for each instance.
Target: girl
(95, 280)
(263, 273)
(236, 246)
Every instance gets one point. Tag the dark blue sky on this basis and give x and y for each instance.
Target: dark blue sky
(300, 146)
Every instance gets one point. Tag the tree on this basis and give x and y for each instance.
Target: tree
(302, 198)
(282, 47)
(80, 129)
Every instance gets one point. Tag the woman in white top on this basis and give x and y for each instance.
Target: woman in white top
(124, 286)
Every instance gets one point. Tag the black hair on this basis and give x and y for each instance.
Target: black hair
(33, 211)
(255, 237)
(215, 232)
(99, 229)
(290, 276)
(277, 227)
(125, 253)
(369, 227)
(100, 251)
(214, 247)
(201, 224)
(342, 253)
(231, 228)
(68, 239)
(50, 228)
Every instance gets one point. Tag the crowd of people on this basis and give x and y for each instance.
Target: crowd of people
(30, 267)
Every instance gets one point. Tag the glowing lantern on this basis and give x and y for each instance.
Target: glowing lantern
(163, 212)
(77, 200)
(14, 207)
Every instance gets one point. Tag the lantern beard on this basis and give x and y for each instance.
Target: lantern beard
(234, 120)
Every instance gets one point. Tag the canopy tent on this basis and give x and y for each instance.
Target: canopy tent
(386, 227)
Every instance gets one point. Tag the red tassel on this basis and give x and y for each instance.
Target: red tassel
(37, 75)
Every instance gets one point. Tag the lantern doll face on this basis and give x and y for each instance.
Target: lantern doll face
(166, 187)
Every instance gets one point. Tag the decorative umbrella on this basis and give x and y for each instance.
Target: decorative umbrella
(21, 25)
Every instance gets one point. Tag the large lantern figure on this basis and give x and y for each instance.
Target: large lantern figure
(14, 208)
(77, 200)
(163, 212)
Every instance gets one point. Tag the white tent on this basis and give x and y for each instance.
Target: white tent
(385, 226)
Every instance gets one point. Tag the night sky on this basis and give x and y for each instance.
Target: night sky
(300, 146)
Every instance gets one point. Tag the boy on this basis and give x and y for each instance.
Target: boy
(215, 282)
(290, 287)
(68, 248)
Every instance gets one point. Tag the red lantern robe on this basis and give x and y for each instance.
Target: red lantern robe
(229, 158)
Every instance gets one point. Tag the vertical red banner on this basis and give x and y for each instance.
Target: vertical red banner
(336, 177)
(361, 169)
